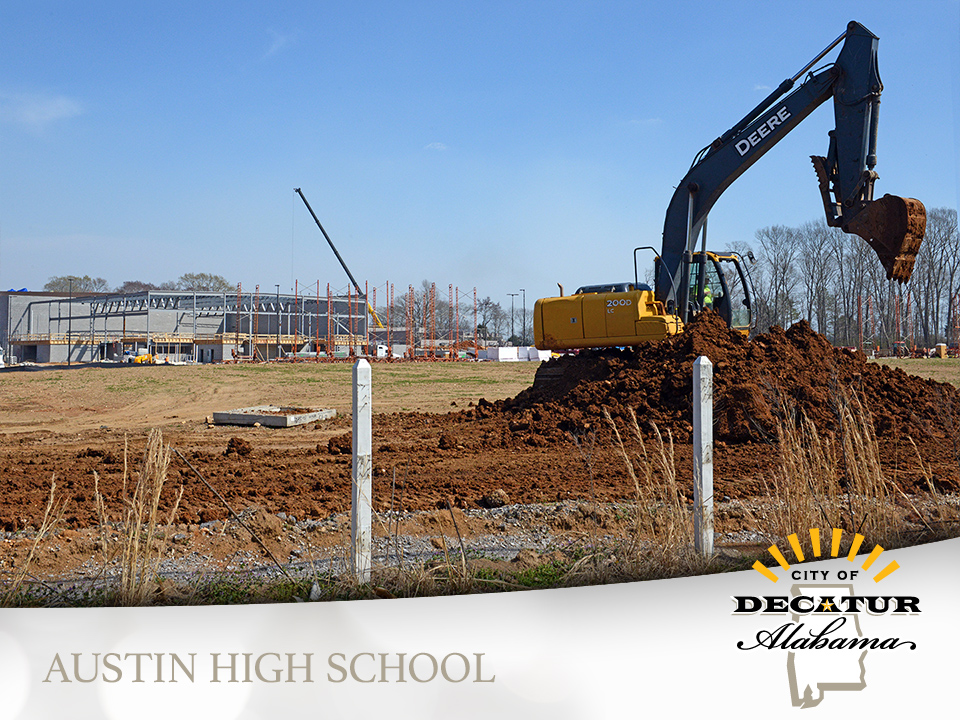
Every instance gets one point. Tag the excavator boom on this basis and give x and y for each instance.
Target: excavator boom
(893, 226)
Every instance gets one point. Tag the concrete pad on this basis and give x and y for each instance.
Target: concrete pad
(531, 353)
(272, 416)
(503, 354)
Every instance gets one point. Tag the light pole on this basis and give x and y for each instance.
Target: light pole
(523, 330)
(279, 351)
(512, 333)
(70, 322)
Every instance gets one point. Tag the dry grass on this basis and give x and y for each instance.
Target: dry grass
(940, 514)
(52, 515)
(869, 509)
(140, 540)
(825, 481)
(831, 481)
(660, 540)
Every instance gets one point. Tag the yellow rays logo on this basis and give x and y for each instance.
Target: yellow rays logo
(834, 552)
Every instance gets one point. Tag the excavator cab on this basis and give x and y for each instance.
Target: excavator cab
(721, 282)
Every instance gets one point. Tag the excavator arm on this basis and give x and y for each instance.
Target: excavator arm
(893, 226)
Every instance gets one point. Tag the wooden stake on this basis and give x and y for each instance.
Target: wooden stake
(703, 455)
(360, 512)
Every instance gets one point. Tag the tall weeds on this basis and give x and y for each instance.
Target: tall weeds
(833, 480)
(663, 525)
(940, 515)
(141, 543)
(52, 515)
(867, 488)
(806, 488)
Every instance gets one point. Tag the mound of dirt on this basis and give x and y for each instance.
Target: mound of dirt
(239, 446)
(341, 444)
(754, 382)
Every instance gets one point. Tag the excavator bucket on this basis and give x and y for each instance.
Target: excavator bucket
(894, 227)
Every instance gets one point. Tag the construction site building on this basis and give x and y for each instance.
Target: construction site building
(177, 326)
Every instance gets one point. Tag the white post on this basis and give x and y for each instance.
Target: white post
(703, 456)
(360, 537)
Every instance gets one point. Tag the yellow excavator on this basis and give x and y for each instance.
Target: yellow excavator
(690, 280)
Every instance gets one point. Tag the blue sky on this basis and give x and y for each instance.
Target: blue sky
(498, 145)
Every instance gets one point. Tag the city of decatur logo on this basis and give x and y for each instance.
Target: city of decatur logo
(817, 620)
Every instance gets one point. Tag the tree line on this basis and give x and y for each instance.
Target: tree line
(188, 282)
(835, 282)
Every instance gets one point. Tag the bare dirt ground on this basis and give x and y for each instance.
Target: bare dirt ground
(80, 423)
(476, 435)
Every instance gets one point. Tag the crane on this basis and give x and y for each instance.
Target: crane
(333, 247)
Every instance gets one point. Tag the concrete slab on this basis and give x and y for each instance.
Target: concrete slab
(272, 416)
(503, 354)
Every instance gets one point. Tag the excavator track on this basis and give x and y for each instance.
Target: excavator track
(894, 227)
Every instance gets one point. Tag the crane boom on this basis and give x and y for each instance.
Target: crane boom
(333, 247)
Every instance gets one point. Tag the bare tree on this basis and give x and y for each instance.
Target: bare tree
(492, 321)
(76, 283)
(852, 257)
(834, 280)
(776, 279)
(944, 248)
(817, 267)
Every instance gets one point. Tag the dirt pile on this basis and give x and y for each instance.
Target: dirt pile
(753, 382)
(239, 446)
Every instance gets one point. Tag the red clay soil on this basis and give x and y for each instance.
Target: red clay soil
(754, 380)
(550, 442)
(777, 374)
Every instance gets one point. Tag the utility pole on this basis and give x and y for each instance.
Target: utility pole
(512, 296)
(523, 330)
(70, 323)
(279, 351)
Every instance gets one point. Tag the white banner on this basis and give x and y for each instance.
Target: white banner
(614, 651)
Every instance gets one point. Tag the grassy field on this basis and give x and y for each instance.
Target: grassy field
(62, 399)
(945, 370)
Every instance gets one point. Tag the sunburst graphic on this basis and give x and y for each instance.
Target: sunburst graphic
(834, 552)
